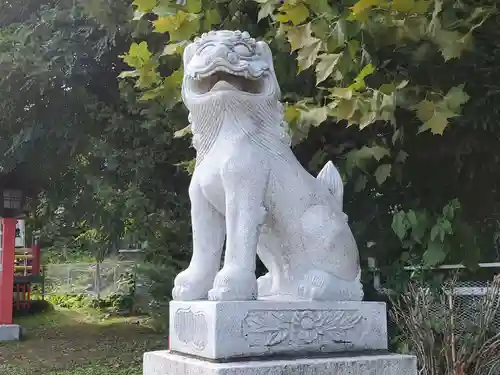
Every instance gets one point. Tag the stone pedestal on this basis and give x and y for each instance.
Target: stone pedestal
(167, 363)
(226, 330)
(271, 337)
(10, 332)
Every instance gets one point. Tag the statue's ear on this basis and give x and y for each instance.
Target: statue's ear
(189, 52)
(262, 48)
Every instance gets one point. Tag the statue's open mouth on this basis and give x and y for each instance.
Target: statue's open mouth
(222, 79)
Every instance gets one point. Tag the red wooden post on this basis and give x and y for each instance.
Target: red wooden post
(7, 273)
(35, 251)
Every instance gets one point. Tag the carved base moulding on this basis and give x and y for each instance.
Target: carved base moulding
(166, 363)
(225, 330)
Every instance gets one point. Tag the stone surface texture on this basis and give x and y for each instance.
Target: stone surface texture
(223, 330)
(166, 363)
(10, 332)
(249, 191)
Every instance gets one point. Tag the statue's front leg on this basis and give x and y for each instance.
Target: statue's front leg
(245, 181)
(208, 239)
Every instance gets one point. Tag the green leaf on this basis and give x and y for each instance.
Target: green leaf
(366, 119)
(314, 116)
(412, 218)
(419, 222)
(376, 152)
(359, 81)
(148, 76)
(402, 5)
(181, 26)
(291, 113)
(325, 66)
(151, 94)
(434, 254)
(322, 7)
(164, 10)
(172, 88)
(342, 93)
(425, 110)
(441, 229)
(451, 43)
(144, 5)
(308, 55)
(138, 55)
(174, 48)
(421, 6)
(337, 38)
(293, 11)
(434, 116)
(129, 74)
(451, 208)
(360, 157)
(364, 5)
(183, 132)
(300, 37)
(267, 8)
(345, 108)
(400, 224)
(436, 124)
(212, 17)
(193, 6)
(382, 173)
(456, 98)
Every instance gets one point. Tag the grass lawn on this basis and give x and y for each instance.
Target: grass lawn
(64, 342)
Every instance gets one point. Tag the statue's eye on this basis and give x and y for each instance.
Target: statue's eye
(204, 48)
(242, 50)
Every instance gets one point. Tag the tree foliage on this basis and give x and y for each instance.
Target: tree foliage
(104, 164)
(400, 94)
(378, 86)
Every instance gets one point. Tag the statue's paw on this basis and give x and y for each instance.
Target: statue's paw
(314, 285)
(234, 284)
(191, 285)
(264, 285)
(187, 292)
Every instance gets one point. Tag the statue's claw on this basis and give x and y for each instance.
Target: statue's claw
(191, 285)
(234, 284)
(313, 286)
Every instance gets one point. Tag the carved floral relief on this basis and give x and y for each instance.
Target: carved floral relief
(299, 328)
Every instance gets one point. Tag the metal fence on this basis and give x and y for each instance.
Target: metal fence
(98, 280)
(467, 299)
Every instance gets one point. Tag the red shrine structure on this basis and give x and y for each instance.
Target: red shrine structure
(19, 266)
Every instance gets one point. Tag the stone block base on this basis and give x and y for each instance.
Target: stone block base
(240, 329)
(10, 332)
(166, 363)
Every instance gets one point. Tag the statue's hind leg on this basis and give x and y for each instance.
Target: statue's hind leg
(269, 253)
(331, 252)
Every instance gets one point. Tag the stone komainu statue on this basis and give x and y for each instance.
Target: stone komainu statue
(249, 191)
